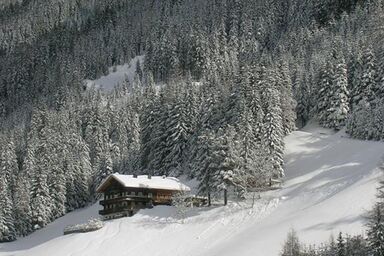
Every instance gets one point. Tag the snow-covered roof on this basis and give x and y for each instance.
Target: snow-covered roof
(143, 181)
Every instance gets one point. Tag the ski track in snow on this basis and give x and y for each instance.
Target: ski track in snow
(331, 182)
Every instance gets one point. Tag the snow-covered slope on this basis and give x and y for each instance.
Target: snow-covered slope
(330, 184)
(117, 75)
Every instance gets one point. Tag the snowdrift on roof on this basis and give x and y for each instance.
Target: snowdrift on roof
(143, 181)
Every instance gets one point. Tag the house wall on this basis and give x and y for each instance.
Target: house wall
(120, 201)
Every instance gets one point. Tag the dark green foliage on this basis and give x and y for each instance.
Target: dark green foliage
(225, 74)
(375, 231)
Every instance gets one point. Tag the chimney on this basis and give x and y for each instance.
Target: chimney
(149, 176)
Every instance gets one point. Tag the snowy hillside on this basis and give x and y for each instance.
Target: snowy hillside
(330, 184)
(117, 75)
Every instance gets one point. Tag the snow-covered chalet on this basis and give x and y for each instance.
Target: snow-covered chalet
(124, 195)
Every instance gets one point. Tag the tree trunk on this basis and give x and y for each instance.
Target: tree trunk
(225, 197)
(209, 199)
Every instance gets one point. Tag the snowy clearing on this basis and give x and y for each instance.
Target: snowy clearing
(331, 182)
(116, 75)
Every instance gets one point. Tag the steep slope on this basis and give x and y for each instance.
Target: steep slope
(117, 75)
(331, 182)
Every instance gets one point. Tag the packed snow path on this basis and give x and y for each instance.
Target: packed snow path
(331, 182)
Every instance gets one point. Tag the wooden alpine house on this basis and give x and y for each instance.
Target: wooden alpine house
(124, 195)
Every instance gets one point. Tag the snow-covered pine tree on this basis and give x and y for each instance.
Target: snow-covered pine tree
(302, 96)
(360, 122)
(7, 221)
(178, 131)
(202, 168)
(324, 86)
(354, 72)
(78, 173)
(236, 100)
(106, 168)
(55, 141)
(225, 163)
(252, 155)
(273, 133)
(375, 231)
(40, 199)
(340, 245)
(292, 245)
(82, 174)
(8, 162)
(379, 89)
(339, 100)
(198, 53)
(287, 102)
(22, 205)
(97, 137)
(192, 102)
(36, 169)
(158, 138)
(139, 70)
(368, 76)
(128, 138)
(356, 245)
(147, 120)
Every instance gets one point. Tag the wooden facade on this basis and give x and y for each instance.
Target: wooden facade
(121, 201)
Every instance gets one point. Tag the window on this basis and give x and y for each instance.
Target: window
(133, 193)
(140, 193)
(150, 195)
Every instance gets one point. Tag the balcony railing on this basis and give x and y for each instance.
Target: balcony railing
(124, 198)
(115, 210)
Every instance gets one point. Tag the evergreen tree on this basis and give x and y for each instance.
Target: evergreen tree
(292, 245)
(178, 130)
(7, 222)
(273, 133)
(340, 245)
(226, 162)
(22, 205)
(202, 166)
(302, 107)
(8, 163)
(147, 121)
(287, 103)
(368, 76)
(339, 101)
(325, 82)
(376, 231)
(379, 89)
(250, 147)
(139, 70)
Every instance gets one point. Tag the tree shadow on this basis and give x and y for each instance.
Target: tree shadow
(328, 226)
(52, 230)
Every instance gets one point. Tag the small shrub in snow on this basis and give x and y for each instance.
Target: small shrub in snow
(91, 225)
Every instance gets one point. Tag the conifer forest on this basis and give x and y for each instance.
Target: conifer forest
(219, 86)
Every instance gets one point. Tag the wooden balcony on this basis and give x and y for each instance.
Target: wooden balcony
(125, 198)
(126, 210)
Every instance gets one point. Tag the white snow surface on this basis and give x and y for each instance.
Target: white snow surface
(117, 75)
(143, 181)
(331, 183)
